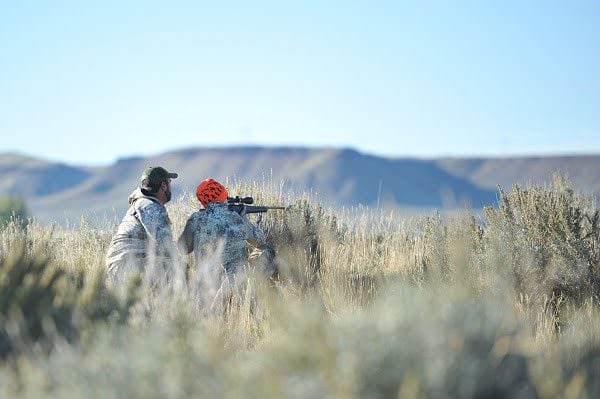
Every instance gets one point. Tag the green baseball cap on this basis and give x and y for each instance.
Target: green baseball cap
(156, 174)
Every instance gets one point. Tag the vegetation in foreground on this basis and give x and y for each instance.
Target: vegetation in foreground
(505, 304)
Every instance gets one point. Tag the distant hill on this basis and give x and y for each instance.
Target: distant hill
(583, 171)
(34, 178)
(55, 191)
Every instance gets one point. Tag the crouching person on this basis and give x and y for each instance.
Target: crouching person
(144, 241)
(221, 240)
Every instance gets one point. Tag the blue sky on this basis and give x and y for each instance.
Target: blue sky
(87, 82)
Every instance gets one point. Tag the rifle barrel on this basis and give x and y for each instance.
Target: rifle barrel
(252, 208)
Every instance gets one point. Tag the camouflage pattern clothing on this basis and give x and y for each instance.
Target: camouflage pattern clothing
(218, 232)
(144, 235)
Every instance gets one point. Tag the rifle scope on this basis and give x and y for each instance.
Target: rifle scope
(240, 200)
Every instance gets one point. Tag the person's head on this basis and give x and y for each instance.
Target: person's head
(210, 190)
(156, 181)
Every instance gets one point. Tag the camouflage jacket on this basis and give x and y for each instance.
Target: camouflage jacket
(144, 232)
(218, 232)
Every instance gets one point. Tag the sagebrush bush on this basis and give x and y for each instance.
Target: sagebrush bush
(39, 301)
(550, 238)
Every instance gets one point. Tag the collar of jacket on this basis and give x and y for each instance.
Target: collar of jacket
(215, 205)
(138, 194)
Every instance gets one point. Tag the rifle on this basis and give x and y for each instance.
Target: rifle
(238, 204)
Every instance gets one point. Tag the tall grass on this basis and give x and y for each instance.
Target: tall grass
(367, 304)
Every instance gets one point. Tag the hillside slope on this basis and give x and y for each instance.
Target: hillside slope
(583, 171)
(338, 176)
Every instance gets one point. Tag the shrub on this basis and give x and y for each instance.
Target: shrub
(550, 237)
(12, 208)
(40, 302)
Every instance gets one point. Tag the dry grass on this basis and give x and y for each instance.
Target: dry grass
(368, 304)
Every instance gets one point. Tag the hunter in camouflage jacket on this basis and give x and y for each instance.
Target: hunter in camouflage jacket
(218, 233)
(144, 237)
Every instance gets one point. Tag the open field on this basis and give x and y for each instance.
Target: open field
(368, 304)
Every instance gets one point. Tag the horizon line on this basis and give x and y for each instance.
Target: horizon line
(133, 156)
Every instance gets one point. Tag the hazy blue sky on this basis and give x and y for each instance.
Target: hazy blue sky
(89, 83)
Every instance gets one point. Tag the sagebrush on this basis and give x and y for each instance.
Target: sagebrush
(502, 303)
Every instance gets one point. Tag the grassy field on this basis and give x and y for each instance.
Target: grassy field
(368, 304)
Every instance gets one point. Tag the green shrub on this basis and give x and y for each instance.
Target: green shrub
(550, 237)
(12, 208)
(40, 302)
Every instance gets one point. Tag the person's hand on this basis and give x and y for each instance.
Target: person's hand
(243, 211)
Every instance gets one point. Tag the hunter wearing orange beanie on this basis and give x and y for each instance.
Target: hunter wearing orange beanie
(222, 241)
(210, 190)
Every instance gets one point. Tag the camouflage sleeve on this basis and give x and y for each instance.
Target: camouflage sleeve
(256, 236)
(156, 222)
(186, 240)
